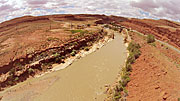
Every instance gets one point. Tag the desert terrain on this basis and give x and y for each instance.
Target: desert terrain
(33, 45)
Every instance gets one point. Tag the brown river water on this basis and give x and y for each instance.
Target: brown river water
(84, 80)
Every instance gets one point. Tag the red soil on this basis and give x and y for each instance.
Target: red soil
(163, 29)
(155, 74)
(29, 34)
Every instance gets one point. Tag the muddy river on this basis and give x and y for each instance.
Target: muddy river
(84, 80)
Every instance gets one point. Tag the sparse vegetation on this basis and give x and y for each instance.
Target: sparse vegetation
(124, 79)
(30, 70)
(16, 79)
(62, 57)
(130, 59)
(70, 44)
(134, 53)
(47, 48)
(78, 30)
(12, 71)
(150, 38)
(73, 53)
(106, 26)
(49, 55)
(52, 39)
(86, 48)
(153, 44)
(75, 43)
(117, 96)
(115, 29)
(10, 82)
(128, 67)
(58, 59)
(56, 54)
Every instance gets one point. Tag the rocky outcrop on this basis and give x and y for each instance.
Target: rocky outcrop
(20, 69)
(160, 29)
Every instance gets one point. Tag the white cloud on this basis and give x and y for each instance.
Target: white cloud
(169, 9)
(130, 8)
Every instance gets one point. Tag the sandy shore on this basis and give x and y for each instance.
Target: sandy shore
(79, 55)
(29, 86)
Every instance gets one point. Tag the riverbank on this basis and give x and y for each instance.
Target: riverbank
(152, 73)
(81, 80)
(82, 53)
(42, 62)
(117, 91)
(29, 85)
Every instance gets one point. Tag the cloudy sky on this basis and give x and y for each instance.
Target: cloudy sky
(166, 9)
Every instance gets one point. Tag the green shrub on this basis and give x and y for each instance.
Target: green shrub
(150, 38)
(132, 46)
(10, 82)
(58, 59)
(86, 49)
(56, 55)
(124, 83)
(128, 67)
(52, 39)
(16, 79)
(106, 26)
(75, 31)
(115, 29)
(88, 25)
(12, 71)
(85, 31)
(11, 77)
(130, 59)
(124, 79)
(125, 91)
(81, 31)
(136, 53)
(153, 44)
(117, 96)
(30, 70)
(70, 44)
(62, 57)
(73, 53)
(75, 43)
(119, 88)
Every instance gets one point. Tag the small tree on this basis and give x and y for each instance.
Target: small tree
(30, 70)
(88, 25)
(150, 38)
(73, 53)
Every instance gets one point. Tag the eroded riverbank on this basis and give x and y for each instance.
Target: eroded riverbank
(83, 80)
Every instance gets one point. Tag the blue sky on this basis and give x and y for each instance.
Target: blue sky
(156, 9)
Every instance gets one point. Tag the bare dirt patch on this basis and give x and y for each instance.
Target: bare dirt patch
(155, 73)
